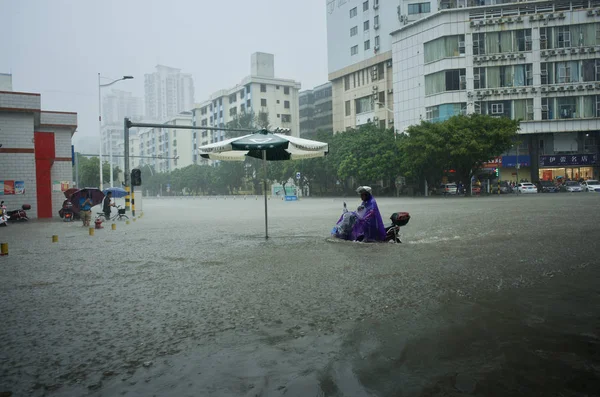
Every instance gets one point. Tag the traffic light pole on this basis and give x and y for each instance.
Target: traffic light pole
(127, 124)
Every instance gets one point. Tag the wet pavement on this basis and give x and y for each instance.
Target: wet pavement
(487, 297)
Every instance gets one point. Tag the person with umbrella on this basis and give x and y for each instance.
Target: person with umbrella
(85, 207)
(107, 204)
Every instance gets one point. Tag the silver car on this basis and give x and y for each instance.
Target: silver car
(573, 187)
(526, 187)
(591, 185)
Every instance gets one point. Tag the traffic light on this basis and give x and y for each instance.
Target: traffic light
(496, 172)
(136, 177)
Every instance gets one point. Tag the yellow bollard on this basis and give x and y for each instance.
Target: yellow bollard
(91, 231)
(127, 223)
(3, 249)
(55, 238)
(113, 226)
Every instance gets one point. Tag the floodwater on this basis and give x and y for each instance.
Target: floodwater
(489, 296)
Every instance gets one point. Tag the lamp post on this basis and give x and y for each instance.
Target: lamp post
(100, 86)
(381, 105)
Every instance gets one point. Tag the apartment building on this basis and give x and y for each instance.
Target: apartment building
(259, 92)
(171, 148)
(316, 109)
(168, 92)
(536, 61)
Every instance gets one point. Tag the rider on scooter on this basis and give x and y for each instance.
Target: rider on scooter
(365, 224)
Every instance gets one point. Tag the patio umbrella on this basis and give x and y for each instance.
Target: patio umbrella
(95, 194)
(117, 192)
(69, 192)
(267, 146)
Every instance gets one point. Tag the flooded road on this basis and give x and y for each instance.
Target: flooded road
(487, 296)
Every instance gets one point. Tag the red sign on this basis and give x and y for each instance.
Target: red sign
(495, 162)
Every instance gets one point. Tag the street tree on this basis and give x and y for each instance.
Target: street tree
(462, 143)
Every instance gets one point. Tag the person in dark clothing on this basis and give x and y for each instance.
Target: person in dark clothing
(107, 204)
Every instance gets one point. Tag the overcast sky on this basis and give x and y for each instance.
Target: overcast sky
(57, 47)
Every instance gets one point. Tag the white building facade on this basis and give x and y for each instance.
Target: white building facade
(259, 92)
(537, 62)
(170, 148)
(360, 60)
(168, 92)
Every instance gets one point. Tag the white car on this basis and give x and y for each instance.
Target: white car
(591, 185)
(573, 187)
(526, 187)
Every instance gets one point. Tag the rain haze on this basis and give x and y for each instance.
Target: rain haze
(229, 258)
(57, 48)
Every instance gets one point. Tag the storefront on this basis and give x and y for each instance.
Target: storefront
(516, 168)
(572, 166)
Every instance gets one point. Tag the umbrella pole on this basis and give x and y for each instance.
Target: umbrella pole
(264, 155)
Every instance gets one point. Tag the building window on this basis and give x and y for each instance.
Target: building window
(242, 108)
(367, 44)
(366, 25)
(479, 78)
(286, 105)
(286, 90)
(376, 41)
(523, 109)
(263, 102)
(447, 80)
(353, 12)
(286, 118)
(278, 101)
(523, 40)
(263, 88)
(346, 82)
(366, 6)
(364, 104)
(444, 111)
(508, 76)
(381, 99)
(232, 98)
(354, 50)
(444, 47)
(347, 107)
(563, 37)
(478, 43)
(248, 105)
(376, 21)
(233, 111)
(418, 8)
(353, 31)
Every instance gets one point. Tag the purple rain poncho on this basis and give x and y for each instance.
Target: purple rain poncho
(365, 224)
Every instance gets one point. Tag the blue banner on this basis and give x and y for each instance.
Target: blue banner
(561, 160)
(511, 161)
(73, 155)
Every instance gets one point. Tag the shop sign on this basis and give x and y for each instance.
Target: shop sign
(561, 160)
(511, 161)
(493, 163)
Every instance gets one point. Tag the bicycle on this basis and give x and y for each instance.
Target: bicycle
(119, 216)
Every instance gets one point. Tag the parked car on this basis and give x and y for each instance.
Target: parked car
(591, 185)
(548, 187)
(448, 188)
(504, 188)
(526, 187)
(573, 187)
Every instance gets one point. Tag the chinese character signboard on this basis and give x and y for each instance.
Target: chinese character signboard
(493, 163)
(60, 186)
(561, 160)
(511, 161)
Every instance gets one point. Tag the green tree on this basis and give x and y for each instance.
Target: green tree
(462, 143)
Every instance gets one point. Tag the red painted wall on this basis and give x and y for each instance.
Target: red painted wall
(44, 158)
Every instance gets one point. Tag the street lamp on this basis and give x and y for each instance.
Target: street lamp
(382, 105)
(100, 86)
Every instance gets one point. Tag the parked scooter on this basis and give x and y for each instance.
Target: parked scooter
(20, 214)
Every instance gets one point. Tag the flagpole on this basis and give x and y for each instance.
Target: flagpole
(264, 156)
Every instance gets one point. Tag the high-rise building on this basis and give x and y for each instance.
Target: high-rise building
(360, 60)
(168, 92)
(535, 61)
(315, 110)
(259, 92)
(120, 104)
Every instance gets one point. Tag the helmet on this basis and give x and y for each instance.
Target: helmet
(363, 189)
